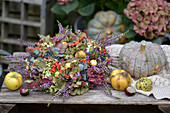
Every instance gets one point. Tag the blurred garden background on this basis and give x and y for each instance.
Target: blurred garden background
(23, 22)
(26, 19)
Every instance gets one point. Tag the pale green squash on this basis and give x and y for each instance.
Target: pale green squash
(142, 59)
(107, 22)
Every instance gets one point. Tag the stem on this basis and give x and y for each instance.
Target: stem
(102, 7)
(142, 48)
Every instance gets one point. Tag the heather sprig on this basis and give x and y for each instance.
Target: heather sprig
(111, 39)
(28, 44)
(64, 92)
(106, 90)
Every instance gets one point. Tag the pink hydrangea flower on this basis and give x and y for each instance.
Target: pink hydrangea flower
(63, 2)
(150, 16)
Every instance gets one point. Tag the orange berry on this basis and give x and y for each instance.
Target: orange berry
(61, 69)
(57, 61)
(81, 38)
(67, 45)
(58, 67)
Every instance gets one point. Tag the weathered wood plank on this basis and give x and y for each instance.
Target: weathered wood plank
(14, 30)
(164, 108)
(4, 26)
(17, 21)
(13, 0)
(5, 9)
(49, 17)
(5, 108)
(35, 2)
(23, 31)
(91, 97)
(31, 23)
(26, 18)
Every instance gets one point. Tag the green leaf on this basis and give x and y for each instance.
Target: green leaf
(117, 97)
(87, 10)
(131, 32)
(73, 92)
(29, 81)
(112, 5)
(70, 7)
(53, 74)
(78, 83)
(84, 3)
(123, 63)
(57, 9)
(126, 21)
(78, 91)
(113, 66)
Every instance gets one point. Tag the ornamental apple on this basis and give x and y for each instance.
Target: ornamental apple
(13, 80)
(24, 91)
(68, 65)
(120, 79)
(93, 62)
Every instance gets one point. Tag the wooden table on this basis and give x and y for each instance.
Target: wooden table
(91, 98)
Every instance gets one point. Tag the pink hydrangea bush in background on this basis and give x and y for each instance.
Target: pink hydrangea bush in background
(63, 2)
(152, 17)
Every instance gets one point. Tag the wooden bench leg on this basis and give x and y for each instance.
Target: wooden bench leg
(164, 108)
(5, 108)
(1, 77)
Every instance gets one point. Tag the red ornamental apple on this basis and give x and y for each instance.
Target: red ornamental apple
(24, 91)
(130, 91)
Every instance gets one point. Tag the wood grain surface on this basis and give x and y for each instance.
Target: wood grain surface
(91, 97)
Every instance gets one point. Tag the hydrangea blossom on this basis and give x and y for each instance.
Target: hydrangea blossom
(63, 2)
(150, 16)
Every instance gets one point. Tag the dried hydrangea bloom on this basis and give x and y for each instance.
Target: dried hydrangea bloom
(63, 2)
(150, 16)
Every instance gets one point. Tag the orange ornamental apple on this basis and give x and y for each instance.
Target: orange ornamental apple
(120, 79)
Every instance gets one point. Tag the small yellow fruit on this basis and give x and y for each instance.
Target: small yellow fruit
(57, 74)
(64, 43)
(68, 65)
(120, 79)
(82, 54)
(13, 80)
(93, 62)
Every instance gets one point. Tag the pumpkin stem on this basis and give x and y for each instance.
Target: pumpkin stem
(142, 48)
(109, 31)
